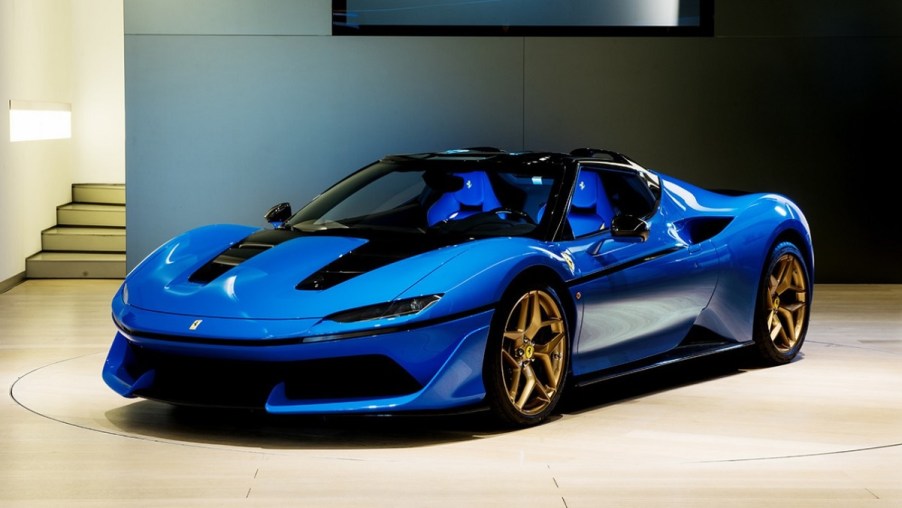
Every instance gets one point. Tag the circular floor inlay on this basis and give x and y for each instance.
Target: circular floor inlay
(834, 399)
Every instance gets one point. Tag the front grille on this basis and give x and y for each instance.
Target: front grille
(352, 377)
(234, 383)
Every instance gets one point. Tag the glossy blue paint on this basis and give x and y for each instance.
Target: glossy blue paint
(456, 382)
(446, 359)
(629, 298)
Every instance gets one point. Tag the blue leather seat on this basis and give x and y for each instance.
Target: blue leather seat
(590, 209)
(474, 197)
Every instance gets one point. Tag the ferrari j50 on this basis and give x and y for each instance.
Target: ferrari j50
(458, 279)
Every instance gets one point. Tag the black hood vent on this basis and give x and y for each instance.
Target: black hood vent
(376, 253)
(240, 252)
(380, 249)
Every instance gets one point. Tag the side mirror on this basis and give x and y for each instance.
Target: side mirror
(278, 214)
(627, 226)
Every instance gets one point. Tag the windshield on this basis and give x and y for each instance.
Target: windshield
(442, 198)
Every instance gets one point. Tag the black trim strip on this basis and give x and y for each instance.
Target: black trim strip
(669, 358)
(289, 341)
(623, 266)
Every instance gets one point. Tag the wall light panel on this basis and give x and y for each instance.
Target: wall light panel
(32, 121)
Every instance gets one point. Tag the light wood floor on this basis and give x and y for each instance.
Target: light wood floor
(825, 430)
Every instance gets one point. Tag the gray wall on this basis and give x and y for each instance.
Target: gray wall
(231, 108)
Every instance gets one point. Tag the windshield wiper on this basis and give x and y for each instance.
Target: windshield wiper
(309, 227)
(394, 229)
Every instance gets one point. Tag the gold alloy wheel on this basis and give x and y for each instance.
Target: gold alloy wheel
(533, 351)
(787, 297)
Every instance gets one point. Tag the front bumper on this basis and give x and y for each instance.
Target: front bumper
(425, 368)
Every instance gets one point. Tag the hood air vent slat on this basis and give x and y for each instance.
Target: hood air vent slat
(368, 257)
(251, 246)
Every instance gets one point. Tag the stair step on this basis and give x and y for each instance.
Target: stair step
(103, 193)
(83, 214)
(75, 265)
(89, 239)
(83, 239)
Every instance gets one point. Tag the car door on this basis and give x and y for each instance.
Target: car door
(640, 291)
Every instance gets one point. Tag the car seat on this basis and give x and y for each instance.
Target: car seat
(590, 209)
(475, 196)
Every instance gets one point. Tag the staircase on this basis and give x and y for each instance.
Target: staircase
(89, 238)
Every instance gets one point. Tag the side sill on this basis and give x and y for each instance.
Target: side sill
(678, 354)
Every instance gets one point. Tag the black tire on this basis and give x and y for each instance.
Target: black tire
(783, 305)
(527, 355)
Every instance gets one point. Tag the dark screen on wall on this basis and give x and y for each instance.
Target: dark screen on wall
(522, 17)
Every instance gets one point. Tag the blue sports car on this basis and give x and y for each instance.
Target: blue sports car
(465, 278)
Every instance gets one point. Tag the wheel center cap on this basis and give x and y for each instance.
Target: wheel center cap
(529, 351)
(776, 302)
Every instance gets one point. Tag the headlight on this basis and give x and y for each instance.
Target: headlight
(387, 310)
(125, 294)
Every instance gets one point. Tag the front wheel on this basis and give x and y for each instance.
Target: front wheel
(782, 311)
(527, 356)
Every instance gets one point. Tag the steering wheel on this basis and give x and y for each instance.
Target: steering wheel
(519, 213)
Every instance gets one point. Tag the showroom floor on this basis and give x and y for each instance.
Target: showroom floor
(825, 430)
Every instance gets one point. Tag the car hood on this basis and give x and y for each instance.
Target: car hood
(225, 272)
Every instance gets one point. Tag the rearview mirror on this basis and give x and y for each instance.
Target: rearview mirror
(628, 226)
(278, 214)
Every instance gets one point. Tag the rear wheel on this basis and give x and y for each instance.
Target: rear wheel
(527, 356)
(782, 312)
